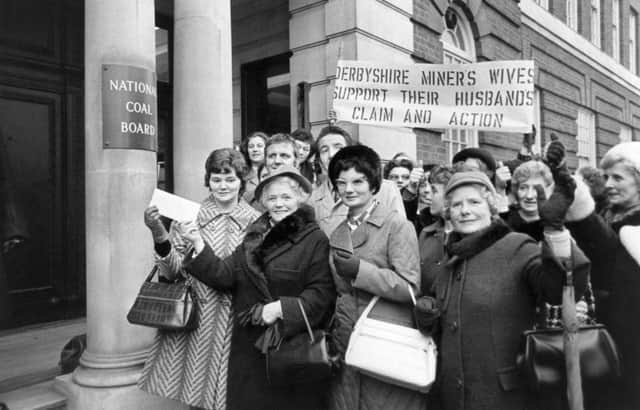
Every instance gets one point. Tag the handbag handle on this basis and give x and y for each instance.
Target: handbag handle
(366, 312)
(152, 273)
(306, 321)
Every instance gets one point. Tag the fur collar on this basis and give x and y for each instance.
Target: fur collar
(466, 246)
(618, 218)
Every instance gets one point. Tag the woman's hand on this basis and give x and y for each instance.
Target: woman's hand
(191, 233)
(153, 222)
(347, 265)
(271, 312)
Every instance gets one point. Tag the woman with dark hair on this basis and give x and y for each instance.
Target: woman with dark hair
(222, 221)
(374, 253)
(305, 153)
(253, 149)
(283, 260)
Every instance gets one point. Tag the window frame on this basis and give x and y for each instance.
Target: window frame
(615, 29)
(572, 14)
(586, 138)
(596, 22)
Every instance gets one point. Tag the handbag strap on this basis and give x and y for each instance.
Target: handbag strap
(306, 321)
(366, 311)
(152, 273)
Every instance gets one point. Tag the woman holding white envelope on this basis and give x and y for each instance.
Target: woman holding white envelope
(191, 366)
(374, 252)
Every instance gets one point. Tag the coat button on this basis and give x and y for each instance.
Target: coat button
(459, 384)
(453, 326)
(438, 263)
(230, 229)
(459, 276)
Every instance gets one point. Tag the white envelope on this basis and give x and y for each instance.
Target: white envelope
(175, 207)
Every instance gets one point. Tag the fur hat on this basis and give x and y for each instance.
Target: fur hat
(477, 153)
(284, 171)
(469, 178)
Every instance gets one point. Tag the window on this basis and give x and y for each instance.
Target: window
(595, 22)
(162, 54)
(633, 44)
(542, 3)
(615, 29)
(586, 138)
(458, 48)
(625, 133)
(572, 14)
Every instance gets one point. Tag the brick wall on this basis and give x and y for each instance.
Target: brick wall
(565, 82)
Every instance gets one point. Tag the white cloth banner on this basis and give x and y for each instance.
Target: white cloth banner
(495, 96)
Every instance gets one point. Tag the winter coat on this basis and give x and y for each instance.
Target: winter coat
(178, 360)
(287, 262)
(431, 245)
(387, 248)
(488, 286)
(616, 278)
(331, 212)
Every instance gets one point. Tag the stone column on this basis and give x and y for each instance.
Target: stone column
(202, 97)
(119, 183)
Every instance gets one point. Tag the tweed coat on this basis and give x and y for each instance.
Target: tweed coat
(287, 262)
(192, 366)
(488, 292)
(331, 212)
(387, 247)
(616, 277)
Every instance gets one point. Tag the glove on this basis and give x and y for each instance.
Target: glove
(346, 264)
(153, 222)
(554, 210)
(555, 155)
(426, 313)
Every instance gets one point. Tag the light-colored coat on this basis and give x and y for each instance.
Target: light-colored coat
(330, 212)
(387, 247)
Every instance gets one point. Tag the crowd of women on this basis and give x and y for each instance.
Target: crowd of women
(294, 219)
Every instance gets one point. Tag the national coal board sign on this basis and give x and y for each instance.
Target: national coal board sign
(129, 107)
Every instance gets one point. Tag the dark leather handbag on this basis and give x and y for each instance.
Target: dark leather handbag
(543, 362)
(168, 306)
(301, 359)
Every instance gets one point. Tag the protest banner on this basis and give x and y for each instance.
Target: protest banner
(495, 96)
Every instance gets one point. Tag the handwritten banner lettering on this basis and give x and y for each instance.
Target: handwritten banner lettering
(494, 96)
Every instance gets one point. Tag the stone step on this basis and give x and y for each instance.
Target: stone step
(41, 396)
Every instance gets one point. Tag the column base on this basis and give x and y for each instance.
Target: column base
(110, 398)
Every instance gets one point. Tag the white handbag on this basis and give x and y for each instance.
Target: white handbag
(394, 353)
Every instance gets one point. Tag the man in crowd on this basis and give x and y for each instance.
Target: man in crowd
(279, 150)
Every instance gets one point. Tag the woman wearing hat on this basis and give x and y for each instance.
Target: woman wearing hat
(283, 257)
(374, 253)
(487, 286)
(221, 222)
(612, 242)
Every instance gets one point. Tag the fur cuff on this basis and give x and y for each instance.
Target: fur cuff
(583, 204)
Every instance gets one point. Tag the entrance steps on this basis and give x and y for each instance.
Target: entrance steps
(41, 396)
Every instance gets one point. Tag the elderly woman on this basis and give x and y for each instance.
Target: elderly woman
(374, 253)
(283, 258)
(253, 149)
(488, 286)
(221, 221)
(612, 242)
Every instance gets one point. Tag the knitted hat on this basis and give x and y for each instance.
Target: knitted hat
(625, 151)
(284, 171)
(469, 178)
(477, 153)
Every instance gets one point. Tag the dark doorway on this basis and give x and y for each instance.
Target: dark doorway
(266, 95)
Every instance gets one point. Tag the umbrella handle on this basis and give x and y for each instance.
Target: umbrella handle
(570, 344)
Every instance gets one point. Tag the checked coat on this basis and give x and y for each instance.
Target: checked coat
(191, 366)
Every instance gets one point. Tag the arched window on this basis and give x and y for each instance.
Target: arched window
(458, 48)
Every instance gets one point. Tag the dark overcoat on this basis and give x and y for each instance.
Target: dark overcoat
(291, 261)
(488, 290)
(616, 279)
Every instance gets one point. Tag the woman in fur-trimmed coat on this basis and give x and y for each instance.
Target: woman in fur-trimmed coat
(284, 257)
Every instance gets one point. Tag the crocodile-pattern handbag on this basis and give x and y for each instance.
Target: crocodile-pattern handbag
(168, 306)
